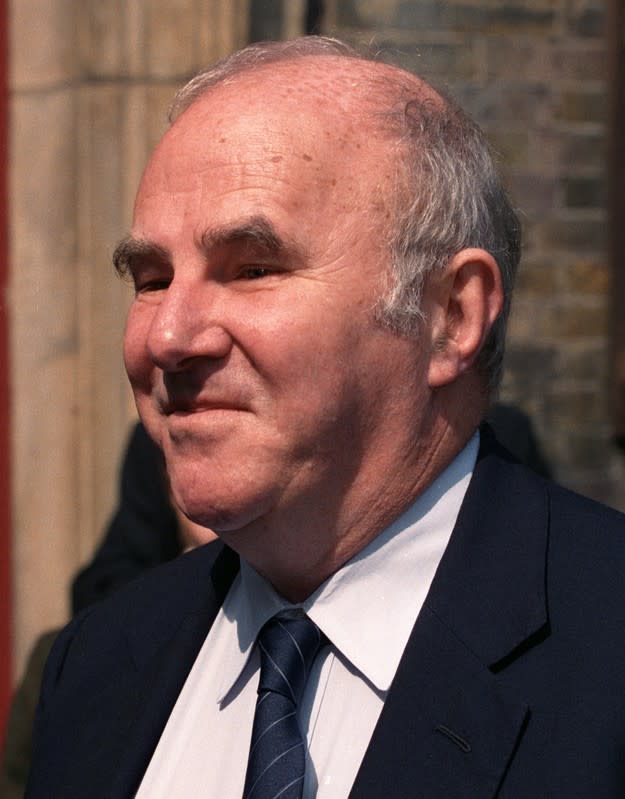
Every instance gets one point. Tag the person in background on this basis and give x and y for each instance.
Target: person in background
(515, 430)
(144, 531)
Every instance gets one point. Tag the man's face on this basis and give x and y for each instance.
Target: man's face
(258, 253)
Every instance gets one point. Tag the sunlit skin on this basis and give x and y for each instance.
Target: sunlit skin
(293, 423)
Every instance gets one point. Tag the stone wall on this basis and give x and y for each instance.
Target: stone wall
(90, 83)
(534, 74)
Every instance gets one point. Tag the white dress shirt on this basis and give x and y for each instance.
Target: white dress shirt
(367, 611)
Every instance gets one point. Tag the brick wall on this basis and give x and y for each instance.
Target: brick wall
(534, 74)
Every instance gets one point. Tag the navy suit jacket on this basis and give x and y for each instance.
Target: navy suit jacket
(512, 684)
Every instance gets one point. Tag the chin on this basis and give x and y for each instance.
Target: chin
(218, 513)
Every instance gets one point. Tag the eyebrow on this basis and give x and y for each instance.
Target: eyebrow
(255, 231)
(132, 249)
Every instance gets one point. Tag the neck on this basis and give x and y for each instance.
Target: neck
(300, 548)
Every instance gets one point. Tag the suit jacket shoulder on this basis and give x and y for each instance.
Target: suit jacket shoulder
(115, 673)
(512, 684)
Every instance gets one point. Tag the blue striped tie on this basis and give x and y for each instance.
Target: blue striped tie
(288, 645)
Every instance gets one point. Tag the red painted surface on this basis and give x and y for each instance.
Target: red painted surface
(5, 522)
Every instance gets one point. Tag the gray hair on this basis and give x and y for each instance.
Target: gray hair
(451, 198)
(449, 195)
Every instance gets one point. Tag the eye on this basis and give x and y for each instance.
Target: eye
(150, 286)
(156, 285)
(255, 272)
(149, 278)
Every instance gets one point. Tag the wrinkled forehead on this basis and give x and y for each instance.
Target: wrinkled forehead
(323, 103)
(312, 135)
(329, 83)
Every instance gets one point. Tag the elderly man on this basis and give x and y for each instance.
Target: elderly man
(322, 257)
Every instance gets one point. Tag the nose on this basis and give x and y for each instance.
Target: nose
(189, 323)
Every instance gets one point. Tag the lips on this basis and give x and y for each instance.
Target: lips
(186, 393)
(202, 409)
(184, 406)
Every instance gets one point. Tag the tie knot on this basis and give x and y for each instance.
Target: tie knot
(288, 645)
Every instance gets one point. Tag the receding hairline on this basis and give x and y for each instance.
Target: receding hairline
(349, 78)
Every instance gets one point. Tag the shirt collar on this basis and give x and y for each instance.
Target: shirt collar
(380, 590)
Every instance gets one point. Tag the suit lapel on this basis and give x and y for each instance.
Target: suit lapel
(451, 721)
(447, 728)
(161, 670)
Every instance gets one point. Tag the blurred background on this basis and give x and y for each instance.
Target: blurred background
(85, 86)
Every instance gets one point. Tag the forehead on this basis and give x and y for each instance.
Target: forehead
(325, 88)
(295, 123)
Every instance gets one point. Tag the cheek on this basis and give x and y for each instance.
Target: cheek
(319, 368)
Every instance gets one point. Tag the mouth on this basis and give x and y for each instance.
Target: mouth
(183, 408)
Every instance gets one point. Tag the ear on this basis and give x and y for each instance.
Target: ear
(462, 304)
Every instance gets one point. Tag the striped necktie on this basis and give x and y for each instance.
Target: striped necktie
(288, 645)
